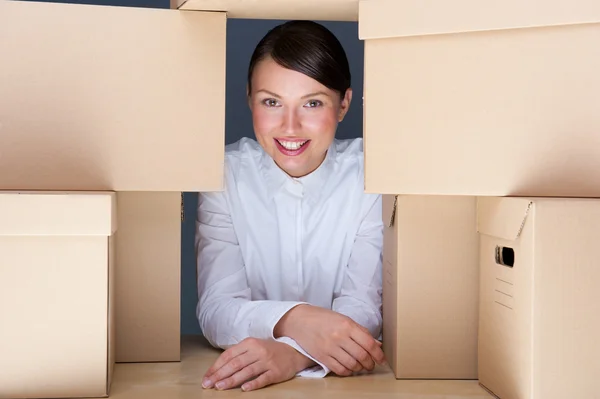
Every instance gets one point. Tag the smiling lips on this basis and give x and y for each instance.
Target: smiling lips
(292, 147)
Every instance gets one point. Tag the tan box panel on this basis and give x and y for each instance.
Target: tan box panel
(539, 311)
(431, 287)
(119, 98)
(473, 98)
(330, 10)
(148, 287)
(56, 294)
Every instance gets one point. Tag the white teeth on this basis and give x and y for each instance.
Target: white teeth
(292, 145)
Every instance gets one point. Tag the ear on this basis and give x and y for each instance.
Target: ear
(345, 104)
(248, 97)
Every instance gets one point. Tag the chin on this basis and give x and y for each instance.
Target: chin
(291, 168)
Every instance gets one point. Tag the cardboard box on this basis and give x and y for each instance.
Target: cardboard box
(148, 285)
(56, 294)
(329, 10)
(478, 98)
(539, 312)
(111, 98)
(430, 286)
(125, 99)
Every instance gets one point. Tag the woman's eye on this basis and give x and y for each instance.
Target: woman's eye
(270, 102)
(314, 104)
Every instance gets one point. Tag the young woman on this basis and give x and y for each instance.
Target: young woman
(289, 254)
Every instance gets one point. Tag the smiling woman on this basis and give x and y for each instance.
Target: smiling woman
(299, 89)
(289, 254)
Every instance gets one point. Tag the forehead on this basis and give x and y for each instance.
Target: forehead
(269, 75)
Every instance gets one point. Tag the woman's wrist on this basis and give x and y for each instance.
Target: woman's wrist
(284, 327)
(303, 362)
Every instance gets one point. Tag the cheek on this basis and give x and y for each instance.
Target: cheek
(322, 123)
(265, 121)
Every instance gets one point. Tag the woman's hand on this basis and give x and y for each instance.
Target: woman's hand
(335, 340)
(255, 363)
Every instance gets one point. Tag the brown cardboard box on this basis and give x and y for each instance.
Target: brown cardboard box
(539, 311)
(431, 286)
(125, 99)
(148, 285)
(56, 294)
(111, 98)
(478, 98)
(330, 10)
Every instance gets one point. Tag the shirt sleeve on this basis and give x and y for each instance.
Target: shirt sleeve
(360, 296)
(225, 311)
(318, 371)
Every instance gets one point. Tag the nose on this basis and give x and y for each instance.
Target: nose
(291, 121)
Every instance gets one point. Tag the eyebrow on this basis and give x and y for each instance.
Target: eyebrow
(317, 93)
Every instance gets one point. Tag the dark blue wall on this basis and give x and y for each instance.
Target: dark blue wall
(242, 36)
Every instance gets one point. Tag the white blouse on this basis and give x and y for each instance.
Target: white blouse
(269, 242)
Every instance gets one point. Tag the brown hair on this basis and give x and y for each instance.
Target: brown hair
(306, 47)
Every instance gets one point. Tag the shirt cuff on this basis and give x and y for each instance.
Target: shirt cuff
(262, 327)
(318, 371)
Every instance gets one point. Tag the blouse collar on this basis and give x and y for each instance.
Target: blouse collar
(310, 186)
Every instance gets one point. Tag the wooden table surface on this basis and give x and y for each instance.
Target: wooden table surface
(182, 380)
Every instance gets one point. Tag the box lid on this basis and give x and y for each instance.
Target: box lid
(57, 213)
(398, 18)
(330, 10)
(502, 217)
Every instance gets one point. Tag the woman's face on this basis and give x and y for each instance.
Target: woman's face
(294, 116)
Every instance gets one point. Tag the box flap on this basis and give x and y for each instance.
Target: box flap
(389, 209)
(57, 213)
(399, 18)
(502, 217)
(329, 10)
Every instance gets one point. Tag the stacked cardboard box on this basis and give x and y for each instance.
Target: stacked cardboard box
(430, 292)
(497, 104)
(57, 293)
(128, 103)
(539, 314)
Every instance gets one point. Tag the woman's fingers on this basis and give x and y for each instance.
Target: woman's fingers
(266, 378)
(247, 373)
(225, 358)
(347, 360)
(233, 366)
(360, 354)
(341, 363)
(369, 344)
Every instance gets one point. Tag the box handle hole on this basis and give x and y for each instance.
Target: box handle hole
(505, 256)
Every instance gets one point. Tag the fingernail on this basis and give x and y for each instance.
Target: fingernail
(220, 385)
(206, 383)
(245, 387)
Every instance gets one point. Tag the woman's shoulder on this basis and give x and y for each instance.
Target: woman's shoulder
(241, 152)
(349, 151)
(349, 147)
(349, 174)
(243, 147)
